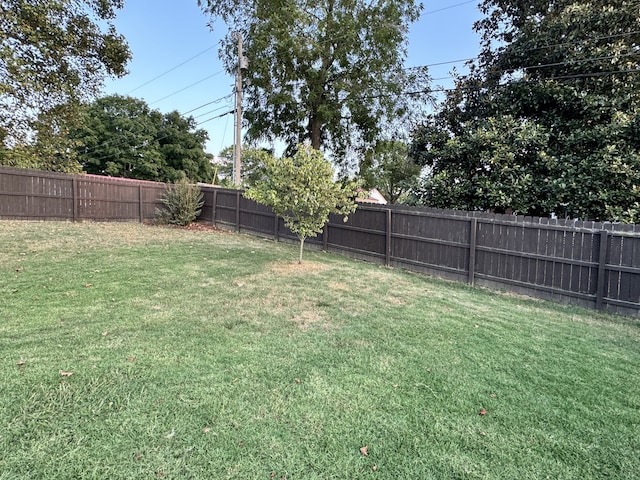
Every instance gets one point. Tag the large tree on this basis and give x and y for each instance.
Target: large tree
(122, 137)
(253, 162)
(388, 168)
(325, 71)
(548, 119)
(54, 54)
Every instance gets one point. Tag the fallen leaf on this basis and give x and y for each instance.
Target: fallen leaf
(65, 374)
(482, 412)
(493, 395)
(483, 434)
(297, 380)
(21, 363)
(131, 359)
(272, 475)
(374, 468)
(105, 333)
(206, 429)
(138, 456)
(19, 269)
(87, 285)
(363, 451)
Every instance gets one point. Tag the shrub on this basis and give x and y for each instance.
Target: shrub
(183, 203)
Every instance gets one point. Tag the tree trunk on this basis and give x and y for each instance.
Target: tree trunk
(301, 248)
(315, 131)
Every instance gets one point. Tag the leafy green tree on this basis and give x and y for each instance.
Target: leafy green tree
(122, 137)
(53, 54)
(389, 169)
(182, 146)
(324, 71)
(301, 190)
(547, 120)
(253, 164)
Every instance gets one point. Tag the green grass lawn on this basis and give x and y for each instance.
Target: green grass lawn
(200, 354)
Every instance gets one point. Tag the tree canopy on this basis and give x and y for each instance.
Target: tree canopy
(301, 190)
(389, 169)
(253, 165)
(54, 54)
(122, 137)
(547, 120)
(329, 72)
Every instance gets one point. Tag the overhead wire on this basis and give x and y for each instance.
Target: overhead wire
(187, 87)
(170, 70)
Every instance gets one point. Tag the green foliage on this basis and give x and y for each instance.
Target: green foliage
(122, 137)
(253, 164)
(183, 203)
(53, 54)
(301, 190)
(329, 72)
(548, 119)
(389, 169)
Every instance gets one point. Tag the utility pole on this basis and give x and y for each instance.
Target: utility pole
(242, 63)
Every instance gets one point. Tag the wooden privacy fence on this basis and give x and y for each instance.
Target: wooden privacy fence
(37, 195)
(596, 265)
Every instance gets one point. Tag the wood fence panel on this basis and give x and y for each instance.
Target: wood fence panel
(364, 233)
(226, 207)
(107, 200)
(612, 276)
(434, 242)
(150, 199)
(256, 217)
(42, 197)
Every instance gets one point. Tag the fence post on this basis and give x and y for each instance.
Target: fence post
(140, 210)
(74, 195)
(213, 207)
(473, 235)
(387, 256)
(276, 227)
(238, 210)
(325, 237)
(602, 264)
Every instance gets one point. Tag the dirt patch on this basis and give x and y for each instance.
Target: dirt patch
(295, 268)
(307, 318)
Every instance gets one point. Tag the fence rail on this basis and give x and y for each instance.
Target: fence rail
(592, 264)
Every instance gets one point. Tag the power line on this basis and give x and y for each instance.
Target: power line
(170, 70)
(211, 111)
(187, 87)
(218, 100)
(217, 116)
(449, 7)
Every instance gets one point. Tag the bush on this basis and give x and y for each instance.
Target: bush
(183, 203)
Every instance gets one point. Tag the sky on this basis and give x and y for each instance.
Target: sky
(175, 64)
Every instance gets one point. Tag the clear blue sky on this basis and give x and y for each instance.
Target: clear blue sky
(165, 33)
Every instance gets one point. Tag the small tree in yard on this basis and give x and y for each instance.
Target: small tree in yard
(301, 190)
